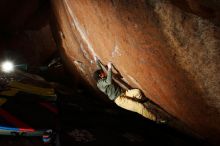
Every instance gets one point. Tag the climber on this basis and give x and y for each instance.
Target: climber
(131, 100)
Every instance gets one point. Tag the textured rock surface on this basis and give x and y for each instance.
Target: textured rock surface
(170, 53)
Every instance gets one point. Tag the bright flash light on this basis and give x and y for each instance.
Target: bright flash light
(7, 66)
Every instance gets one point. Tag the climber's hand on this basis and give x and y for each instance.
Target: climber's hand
(96, 58)
(109, 65)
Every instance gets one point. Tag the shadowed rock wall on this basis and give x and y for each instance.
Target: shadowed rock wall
(25, 34)
(170, 53)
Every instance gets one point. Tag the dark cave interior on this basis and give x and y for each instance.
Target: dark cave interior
(28, 35)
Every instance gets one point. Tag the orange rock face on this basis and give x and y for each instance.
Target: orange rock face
(170, 54)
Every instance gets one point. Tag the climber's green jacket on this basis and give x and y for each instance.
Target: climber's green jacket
(108, 86)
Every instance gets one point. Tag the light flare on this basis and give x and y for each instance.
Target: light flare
(7, 66)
